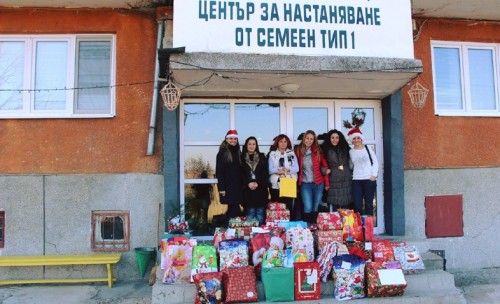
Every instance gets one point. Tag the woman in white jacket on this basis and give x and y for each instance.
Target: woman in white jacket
(365, 172)
(282, 162)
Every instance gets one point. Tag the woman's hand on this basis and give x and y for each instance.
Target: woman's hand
(373, 178)
(222, 193)
(252, 185)
(341, 168)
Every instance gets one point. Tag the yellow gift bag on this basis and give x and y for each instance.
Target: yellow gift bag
(288, 187)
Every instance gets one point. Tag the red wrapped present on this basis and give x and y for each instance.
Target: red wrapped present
(307, 285)
(382, 251)
(244, 233)
(376, 273)
(352, 225)
(360, 249)
(276, 206)
(368, 227)
(277, 215)
(240, 285)
(325, 237)
(329, 221)
(175, 225)
(208, 288)
(222, 234)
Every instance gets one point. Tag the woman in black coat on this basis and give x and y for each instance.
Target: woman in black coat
(254, 177)
(336, 150)
(228, 173)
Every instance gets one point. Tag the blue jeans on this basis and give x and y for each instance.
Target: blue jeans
(363, 189)
(256, 213)
(311, 196)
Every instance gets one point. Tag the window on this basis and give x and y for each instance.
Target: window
(110, 231)
(466, 78)
(2, 229)
(57, 76)
(204, 127)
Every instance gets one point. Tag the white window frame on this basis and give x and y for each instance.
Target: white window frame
(463, 48)
(70, 111)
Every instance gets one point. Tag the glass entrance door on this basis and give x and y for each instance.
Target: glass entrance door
(322, 116)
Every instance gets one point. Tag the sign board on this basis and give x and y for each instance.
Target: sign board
(362, 28)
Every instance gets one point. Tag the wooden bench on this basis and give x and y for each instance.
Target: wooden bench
(60, 260)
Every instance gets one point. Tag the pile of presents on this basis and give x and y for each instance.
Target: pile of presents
(291, 258)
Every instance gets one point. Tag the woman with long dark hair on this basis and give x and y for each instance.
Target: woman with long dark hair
(336, 150)
(254, 175)
(228, 173)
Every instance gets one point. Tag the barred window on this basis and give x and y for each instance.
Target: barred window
(110, 231)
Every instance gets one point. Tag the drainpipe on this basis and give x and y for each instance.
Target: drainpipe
(154, 102)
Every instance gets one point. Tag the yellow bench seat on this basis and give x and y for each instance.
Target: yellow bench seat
(60, 260)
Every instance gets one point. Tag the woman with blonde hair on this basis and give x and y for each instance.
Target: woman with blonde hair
(311, 179)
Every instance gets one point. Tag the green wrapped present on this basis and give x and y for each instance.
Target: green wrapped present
(278, 284)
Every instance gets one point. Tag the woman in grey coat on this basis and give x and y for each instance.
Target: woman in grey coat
(336, 150)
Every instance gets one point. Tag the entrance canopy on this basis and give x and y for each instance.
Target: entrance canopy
(261, 75)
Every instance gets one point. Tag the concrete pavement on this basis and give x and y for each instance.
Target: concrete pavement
(478, 286)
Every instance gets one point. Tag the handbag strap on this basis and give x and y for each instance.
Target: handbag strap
(369, 155)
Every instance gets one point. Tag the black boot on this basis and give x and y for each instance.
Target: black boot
(314, 217)
(307, 218)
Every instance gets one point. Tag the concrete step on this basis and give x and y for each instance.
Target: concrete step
(431, 286)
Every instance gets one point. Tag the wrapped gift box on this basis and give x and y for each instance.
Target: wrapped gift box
(410, 259)
(299, 238)
(329, 221)
(307, 285)
(396, 284)
(240, 285)
(325, 237)
(276, 206)
(361, 249)
(277, 215)
(382, 251)
(222, 234)
(208, 288)
(233, 253)
(242, 222)
(348, 277)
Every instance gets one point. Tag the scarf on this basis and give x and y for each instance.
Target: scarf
(252, 163)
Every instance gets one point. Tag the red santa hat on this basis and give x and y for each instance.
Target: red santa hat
(232, 134)
(355, 132)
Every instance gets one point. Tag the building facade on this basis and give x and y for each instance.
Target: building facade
(95, 150)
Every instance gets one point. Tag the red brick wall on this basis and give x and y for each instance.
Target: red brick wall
(448, 142)
(109, 145)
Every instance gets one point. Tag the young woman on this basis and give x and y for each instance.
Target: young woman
(282, 162)
(254, 175)
(364, 176)
(336, 150)
(311, 180)
(228, 173)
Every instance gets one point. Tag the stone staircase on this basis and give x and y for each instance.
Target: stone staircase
(434, 285)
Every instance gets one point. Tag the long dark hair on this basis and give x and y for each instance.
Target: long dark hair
(228, 156)
(342, 147)
(245, 150)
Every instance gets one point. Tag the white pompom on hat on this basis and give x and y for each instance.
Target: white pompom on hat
(232, 134)
(356, 132)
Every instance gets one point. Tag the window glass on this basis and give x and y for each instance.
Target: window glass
(249, 118)
(11, 75)
(198, 210)
(349, 115)
(198, 159)
(94, 75)
(51, 75)
(482, 79)
(205, 122)
(447, 71)
(304, 119)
